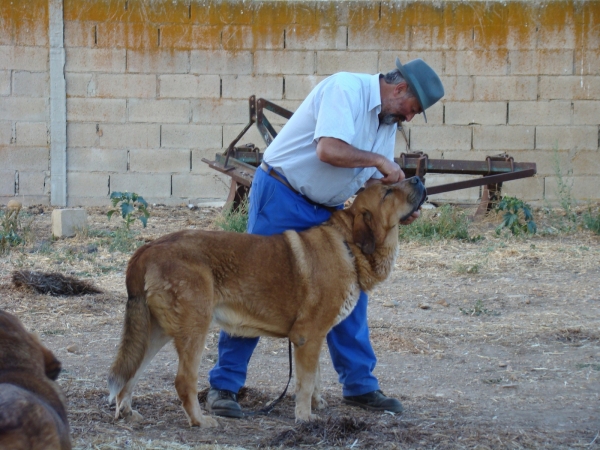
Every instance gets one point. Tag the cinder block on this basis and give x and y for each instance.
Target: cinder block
(556, 36)
(435, 115)
(147, 185)
(125, 86)
(203, 186)
(477, 62)
(527, 189)
(187, 36)
(221, 62)
(377, 38)
(546, 162)
(587, 163)
(505, 88)
(66, 222)
(587, 62)
(583, 188)
(129, 136)
(470, 195)
(87, 184)
(457, 89)
(34, 183)
(425, 138)
(79, 84)
(159, 160)
(198, 166)
(34, 59)
(541, 62)
(503, 138)
(481, 113)
(570, 87)
(25, 158)
(79, 33)
(300, 37)
(113, 34)
(81, 59)
(298, 87)
(26, 109)
(435, 59)
(567, 138)
(6, 136)
(4, 82)
(31, 84)
(431, 37)
(164, 111)
(7, 182)
(284, 62)
(242, 86)
(96, 110)
(241, 37)
(158, 61)
(97, 159)
(329, 62)
(191, 136)
(539, 113)
(586, 112)
(32, 134)
(190, 86)
(220, 111)
(521, 37)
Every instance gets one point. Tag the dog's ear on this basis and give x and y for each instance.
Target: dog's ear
(362, 233)
(52, 366)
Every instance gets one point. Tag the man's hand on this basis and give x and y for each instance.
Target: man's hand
(414, 216)
(392, 173)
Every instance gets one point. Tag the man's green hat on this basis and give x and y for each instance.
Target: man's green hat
(423, 82)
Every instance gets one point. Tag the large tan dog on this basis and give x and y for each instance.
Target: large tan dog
(295, 285)
(32, 406)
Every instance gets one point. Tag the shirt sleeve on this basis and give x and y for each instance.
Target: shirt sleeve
(335, 113)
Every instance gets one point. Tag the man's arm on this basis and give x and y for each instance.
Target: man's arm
(341, 154)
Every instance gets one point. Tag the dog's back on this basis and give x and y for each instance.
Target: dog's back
(32, 411)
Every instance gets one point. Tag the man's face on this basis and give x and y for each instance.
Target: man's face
(400, 106)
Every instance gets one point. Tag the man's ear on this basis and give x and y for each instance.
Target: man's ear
(362, 233)
(401, 88)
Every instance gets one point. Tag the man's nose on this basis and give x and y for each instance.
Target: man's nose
(409, 117)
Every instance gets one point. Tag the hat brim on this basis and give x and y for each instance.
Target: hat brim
(413, 84)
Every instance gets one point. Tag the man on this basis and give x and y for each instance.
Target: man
(341, 137)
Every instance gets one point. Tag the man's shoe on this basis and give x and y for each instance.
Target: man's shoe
(375, 401)
(223, 403)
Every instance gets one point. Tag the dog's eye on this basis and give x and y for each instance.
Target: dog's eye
(387, 192)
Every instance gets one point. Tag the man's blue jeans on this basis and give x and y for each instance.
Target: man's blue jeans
(275, 208)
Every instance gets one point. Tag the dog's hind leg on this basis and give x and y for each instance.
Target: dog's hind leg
(158, 339)
(189, 345)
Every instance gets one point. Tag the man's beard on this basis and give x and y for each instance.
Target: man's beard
(391, 119)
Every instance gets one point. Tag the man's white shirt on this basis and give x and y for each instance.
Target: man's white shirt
(343, 106)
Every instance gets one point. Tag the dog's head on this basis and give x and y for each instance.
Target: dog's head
(380, 208)
(22, 349)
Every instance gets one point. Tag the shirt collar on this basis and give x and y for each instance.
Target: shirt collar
(375, 94)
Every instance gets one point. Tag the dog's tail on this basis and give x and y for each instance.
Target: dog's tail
(136, 331)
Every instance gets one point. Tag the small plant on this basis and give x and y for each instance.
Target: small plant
(234, 219)
(468, 268)
(477, 310)
(517, 218)
(592, 222)
(128, 203)
(445, 223)
(10, 222)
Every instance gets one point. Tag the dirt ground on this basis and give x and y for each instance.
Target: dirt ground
(488, 344)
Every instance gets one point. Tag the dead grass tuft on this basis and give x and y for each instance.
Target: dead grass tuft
(53, 283)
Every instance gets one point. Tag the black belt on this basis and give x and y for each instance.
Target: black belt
(270, 171)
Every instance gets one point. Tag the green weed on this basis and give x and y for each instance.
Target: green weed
(517, 216)
(468, 268)
(591, 221)
(234, 219)
(129, 205)
(445, 223)
(10, 222)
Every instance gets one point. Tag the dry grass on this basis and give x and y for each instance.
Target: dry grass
(525, 378)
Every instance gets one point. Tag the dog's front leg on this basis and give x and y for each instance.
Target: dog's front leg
(318, 402)
(307, 365)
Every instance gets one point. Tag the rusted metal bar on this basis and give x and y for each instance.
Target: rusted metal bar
(490, 179)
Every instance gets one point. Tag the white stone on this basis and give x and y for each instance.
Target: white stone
(66, 221)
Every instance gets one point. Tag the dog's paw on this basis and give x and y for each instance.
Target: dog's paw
(318, 402)
(132, 417)
(307, 418)
(204, 422)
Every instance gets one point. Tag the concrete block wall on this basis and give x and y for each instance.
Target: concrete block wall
(154, 86)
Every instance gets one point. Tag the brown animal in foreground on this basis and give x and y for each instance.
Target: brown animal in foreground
(294, 285)
(32, 406)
